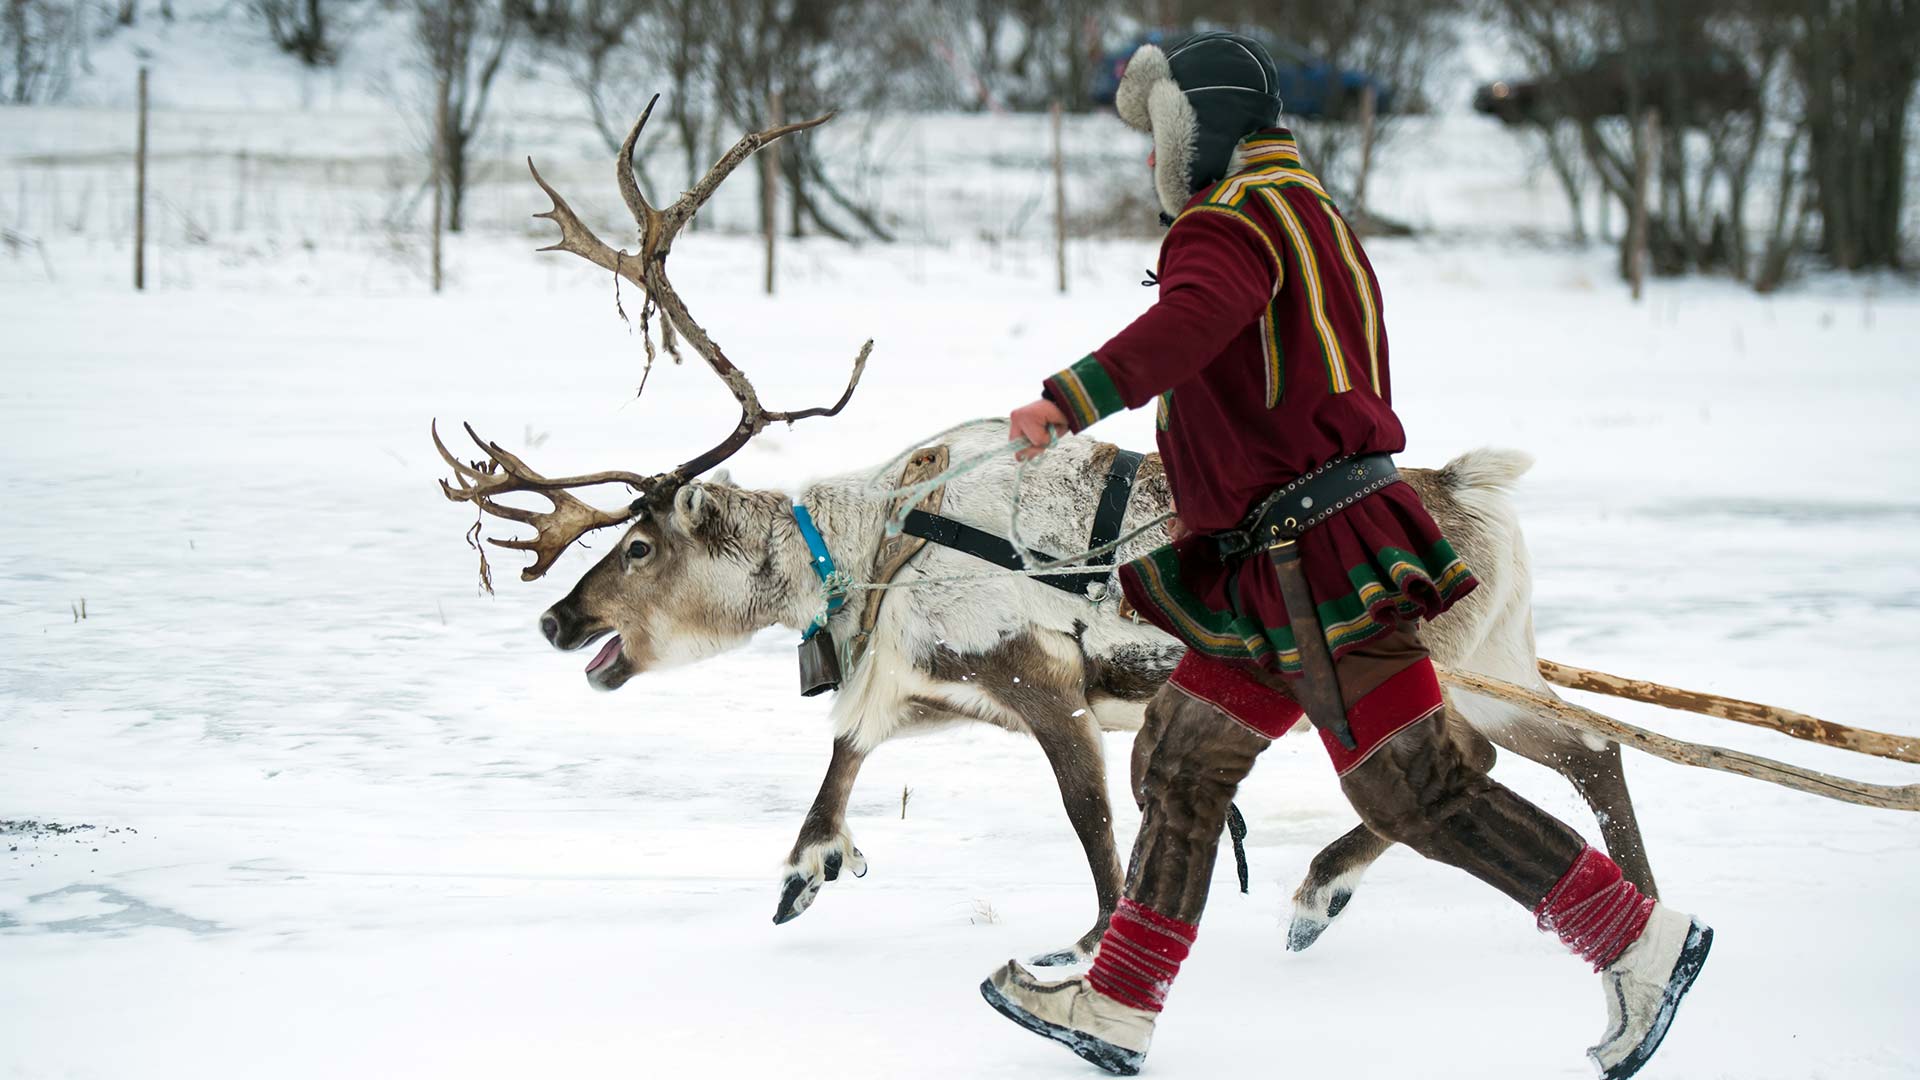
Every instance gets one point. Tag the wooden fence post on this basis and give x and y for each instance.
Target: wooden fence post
(1059, 203)
(140, 193)
(769, 187)
(1637, 226)
(1369, 110)
(443, 94)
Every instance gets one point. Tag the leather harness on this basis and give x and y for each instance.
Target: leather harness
(980, 544)
(820, 669)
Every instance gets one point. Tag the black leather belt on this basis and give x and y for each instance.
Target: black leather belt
(1307, 501)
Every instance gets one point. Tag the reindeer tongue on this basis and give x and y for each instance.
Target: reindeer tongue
(606, 654)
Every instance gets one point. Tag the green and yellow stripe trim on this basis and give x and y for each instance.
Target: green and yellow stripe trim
(1235, 190)
(1085, 392)
(1305, 257)
(1346, 621)
(1216, 633)
(1363, 287)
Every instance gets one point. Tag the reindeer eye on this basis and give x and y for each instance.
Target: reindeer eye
(639, 549)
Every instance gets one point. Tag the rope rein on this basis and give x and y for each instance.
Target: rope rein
(911, 495)
(840, 582)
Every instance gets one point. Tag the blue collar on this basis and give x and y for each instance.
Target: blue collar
(822, 562)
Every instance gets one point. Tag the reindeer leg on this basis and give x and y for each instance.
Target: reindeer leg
(1070, 737)
(1601, 780)
(1037, 683)
(824, 847)
(1331, 879)
(1597, 775)
(1335, 873)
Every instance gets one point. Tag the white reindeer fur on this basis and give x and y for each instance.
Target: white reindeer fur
(970, 617)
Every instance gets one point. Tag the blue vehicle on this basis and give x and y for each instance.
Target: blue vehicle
(1312, 88)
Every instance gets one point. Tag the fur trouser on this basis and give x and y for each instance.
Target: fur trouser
(1410, 780)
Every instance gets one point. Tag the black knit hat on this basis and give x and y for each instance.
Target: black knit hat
(1198, 101)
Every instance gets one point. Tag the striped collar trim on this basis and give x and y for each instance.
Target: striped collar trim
(1267, 147)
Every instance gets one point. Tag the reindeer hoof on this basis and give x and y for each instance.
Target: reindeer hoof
(853, 862)
(796, 895)
(1308, 924)
(1079, 952)
(812, 867)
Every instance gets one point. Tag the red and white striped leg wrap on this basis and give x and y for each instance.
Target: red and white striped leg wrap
(1139, 956)
(1596, 911)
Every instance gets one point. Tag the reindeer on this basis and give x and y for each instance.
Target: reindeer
(703, 565)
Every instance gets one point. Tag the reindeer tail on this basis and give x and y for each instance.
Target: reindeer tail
(1487, 467)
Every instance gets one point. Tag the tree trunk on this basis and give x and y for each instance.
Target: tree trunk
(1569, 176)
(23, 61)
(316, 35)
(1857, 66)
(1639, 225)
(456, 158)
(140, 193)
(796, 177)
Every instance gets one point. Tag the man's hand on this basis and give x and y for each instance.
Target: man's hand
(1033, 422)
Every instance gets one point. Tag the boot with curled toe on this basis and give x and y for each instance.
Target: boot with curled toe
(1070, 1011)
(1644, 987)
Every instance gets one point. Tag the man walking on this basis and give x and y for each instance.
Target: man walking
(1303, 569)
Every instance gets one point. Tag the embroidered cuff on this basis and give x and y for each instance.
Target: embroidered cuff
(1085, 392)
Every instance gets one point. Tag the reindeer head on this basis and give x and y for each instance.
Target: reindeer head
(684, 583)
(694, 572)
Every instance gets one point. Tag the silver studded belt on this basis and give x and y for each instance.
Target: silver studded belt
(1307, 501)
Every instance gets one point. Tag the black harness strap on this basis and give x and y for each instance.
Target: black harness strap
(981, 544)
(999, 551)
(1114, 498)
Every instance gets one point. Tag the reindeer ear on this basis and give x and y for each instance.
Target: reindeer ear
(722, 477)
(693, 509)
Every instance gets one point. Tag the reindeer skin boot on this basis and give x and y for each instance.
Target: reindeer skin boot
(1644, 987)
(1105, 1032)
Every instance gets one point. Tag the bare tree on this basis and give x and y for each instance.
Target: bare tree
(803, 50)
(1813, 94)
(1600, 68)
(463, 44)
(615, 47)
(1857, 61)
(39, 42)
(299, 27)
(1023, 54)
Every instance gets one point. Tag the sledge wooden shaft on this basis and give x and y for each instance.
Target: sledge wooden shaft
(1686, 753)
(1799, 725)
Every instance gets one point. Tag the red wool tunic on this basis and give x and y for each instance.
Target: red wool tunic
(1267, 351)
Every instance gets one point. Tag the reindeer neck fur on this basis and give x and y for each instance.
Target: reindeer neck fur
(850, 517)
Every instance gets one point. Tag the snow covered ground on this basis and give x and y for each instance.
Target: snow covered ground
(347, 816)
(368, 823)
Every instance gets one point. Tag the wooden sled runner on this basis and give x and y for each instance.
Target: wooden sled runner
(1797, 725)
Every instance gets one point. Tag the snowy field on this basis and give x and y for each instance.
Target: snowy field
(349, 817)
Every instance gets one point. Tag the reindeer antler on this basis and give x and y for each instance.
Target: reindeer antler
(648, 270)
(480, 481)
(555, 530)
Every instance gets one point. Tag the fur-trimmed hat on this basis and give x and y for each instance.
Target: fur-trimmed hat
(1197, 102)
